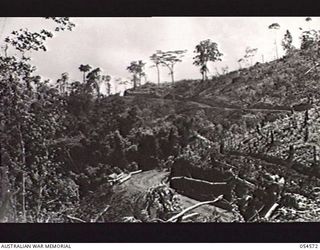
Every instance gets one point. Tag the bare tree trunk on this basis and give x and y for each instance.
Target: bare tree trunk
(176, 217)
(98, 90)
(14, 206)
(23, 161)
(172, 79)
(134, 81)
(6, 50)
(4, 194)
(67, 88)
(140, 79)
(272, 136)
(24, 217)
(4, 181)
(4, 206)
(109, 88)
(39, 201)
(158, 72)
(306, 118)
(172, 76)
(203, 76)
(306, 134)
(275, 43)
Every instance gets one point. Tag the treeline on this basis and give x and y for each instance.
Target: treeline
(58, 147)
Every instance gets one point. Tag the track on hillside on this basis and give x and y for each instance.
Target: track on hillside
(221, 107)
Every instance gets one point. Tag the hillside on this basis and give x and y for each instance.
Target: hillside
(240, 113)
(240, 147)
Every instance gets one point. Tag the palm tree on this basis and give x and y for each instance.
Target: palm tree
(65, 78)
(275, 27)
(308, 20)
(84, 68)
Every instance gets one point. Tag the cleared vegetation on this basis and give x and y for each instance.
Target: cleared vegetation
(243, 146)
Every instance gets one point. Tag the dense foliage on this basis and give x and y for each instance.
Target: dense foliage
(62, 146)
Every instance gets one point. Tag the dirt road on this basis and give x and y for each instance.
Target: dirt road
(144, 180)
(204, 105)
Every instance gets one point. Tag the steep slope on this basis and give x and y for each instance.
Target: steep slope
(281, 83)
(257, 127)
(264, 120)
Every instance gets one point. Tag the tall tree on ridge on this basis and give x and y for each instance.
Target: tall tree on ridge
(206, 51)
(287, 42)
(155, 58)
(170, 58)
(107, 79)
(94, 80)
(275, 27)
(85, 68)
(136, 69)
(250, 53)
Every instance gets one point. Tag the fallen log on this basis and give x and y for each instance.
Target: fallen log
(176, 217)
(189, 216)
(75, 218)
(135, 172)
(256, 213)
(198, 180)
(119, 176)
(204, 139)
(248, 183)
(124, 179)
(100, 214)
(311, 69)
(226, 165)
(271, 210)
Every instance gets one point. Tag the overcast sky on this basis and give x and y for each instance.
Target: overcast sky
(112, 43)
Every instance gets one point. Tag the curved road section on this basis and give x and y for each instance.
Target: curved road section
(141, 182)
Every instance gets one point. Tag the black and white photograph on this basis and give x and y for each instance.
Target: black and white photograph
(159, 119)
